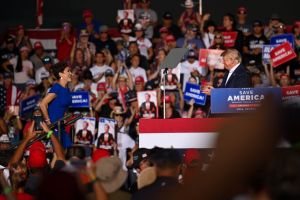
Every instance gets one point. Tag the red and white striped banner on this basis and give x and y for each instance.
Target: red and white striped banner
(179, 133)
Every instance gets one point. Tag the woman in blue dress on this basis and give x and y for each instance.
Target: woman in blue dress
(58, 99)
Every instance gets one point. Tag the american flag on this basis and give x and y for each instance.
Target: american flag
(179, 133)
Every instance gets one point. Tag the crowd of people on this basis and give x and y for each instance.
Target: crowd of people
(114, 71)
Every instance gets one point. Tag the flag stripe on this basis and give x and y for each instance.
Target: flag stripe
(180, 125)
(178, 140)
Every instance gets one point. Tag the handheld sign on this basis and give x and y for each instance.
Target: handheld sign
(211, 57)
(281, 54)
(279, 39)
(80, 99)
(266, 49)
(290, 92)
(229, 38)
(27, 105)
(193, 91)
(85, 131)
(240, 100)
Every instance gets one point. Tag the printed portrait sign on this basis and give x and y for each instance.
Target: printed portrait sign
(147, 101)
(211, 57)
(125, 15)
(229, 38)
(281, 54)
(106, 133)
(238, 100)
(172, 78)
(85, 131)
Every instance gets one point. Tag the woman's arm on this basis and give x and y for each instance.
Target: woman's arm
(58, 149)
(3, 127)
(44, 106)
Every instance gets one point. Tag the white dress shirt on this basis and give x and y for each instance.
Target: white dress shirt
(231, 72)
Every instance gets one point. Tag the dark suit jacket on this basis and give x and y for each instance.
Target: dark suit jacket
(240, 78)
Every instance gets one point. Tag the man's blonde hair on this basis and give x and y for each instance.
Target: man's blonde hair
(232, 53)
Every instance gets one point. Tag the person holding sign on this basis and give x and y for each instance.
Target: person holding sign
(56, 102)
(233, 38)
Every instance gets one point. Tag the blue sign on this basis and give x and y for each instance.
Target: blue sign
(266, 49)
(279, 39)
(80, 99)
(238, 100)
(193, 91)
(27, 105)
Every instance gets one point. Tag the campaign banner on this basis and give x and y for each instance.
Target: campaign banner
(279, 39)
(239, 100)
(193, 91)
(229, 38)
(211, 57)
(27, 105)
(80, 99)
(266, 49)
(290, 92)
(281, 54)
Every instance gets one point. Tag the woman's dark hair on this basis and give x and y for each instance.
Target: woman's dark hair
(87, 75)
(58, 68)
(75, 151)
(231, 18)
(19, 66)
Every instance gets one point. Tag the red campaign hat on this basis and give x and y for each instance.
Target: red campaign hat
(87, 13)
(242, 10)
(163, 30)
(170, 38)
(100, 153)
(167, 98)
(38, 45)
(101, 87)
(191, 155)
(139, 79)
(20, 27)
(37, 155)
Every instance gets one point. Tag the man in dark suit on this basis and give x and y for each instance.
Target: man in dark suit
(237, 76)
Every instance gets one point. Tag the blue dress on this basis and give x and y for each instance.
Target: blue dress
(57, 108)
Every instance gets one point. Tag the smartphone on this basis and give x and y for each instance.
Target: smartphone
(37, 123)
(14, 110)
